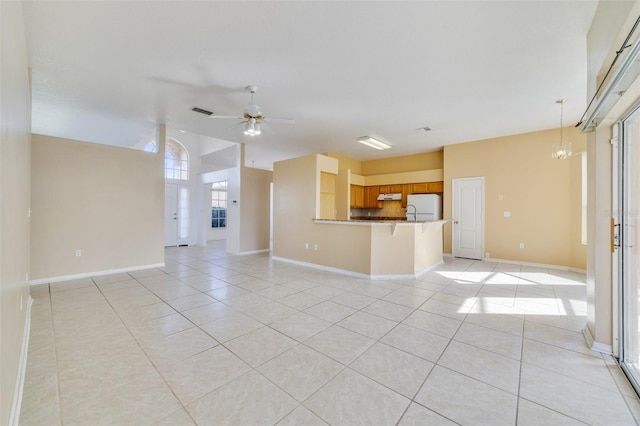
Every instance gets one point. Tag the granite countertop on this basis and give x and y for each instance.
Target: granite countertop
(379, 218)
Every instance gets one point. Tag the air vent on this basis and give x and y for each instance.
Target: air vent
(201, 111)
(424, 129)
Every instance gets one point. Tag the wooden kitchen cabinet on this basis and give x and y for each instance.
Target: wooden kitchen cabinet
(327, 195)
(436, 187)
(371, 197)
(357, 197)
(427, 187)
(406, 190)
(327, 183)
(390, 189)
(420, 188)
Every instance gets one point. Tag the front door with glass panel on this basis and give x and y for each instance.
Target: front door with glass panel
(627, 247)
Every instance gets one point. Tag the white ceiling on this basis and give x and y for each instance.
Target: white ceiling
(108, 72)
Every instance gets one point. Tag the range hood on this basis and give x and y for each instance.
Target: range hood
(386, 197)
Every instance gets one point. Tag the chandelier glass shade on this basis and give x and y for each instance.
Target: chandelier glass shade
(561, 150)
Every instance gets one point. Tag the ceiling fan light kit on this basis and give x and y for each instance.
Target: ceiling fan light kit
(252, 128)
(373, 142)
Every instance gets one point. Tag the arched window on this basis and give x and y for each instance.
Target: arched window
(176, 159)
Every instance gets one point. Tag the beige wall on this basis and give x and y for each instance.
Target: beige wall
(392, 165)
(405, 163)
(432, 175)
(296, 201)
(536, 189)
(295, 192)
(255, 193)
(15, 165)
(347, 163)
(343, 194)
(104, 200)
(343, 247)
(248, 207)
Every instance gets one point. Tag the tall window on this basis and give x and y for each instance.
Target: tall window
(219, 204)
(176, 159)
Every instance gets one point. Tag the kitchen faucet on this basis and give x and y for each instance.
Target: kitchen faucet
(415, 212)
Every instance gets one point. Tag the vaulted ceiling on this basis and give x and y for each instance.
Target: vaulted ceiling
(109, 72)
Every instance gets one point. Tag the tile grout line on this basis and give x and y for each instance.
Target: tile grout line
(200, 258)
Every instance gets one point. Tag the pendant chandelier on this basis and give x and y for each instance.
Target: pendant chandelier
(561, 150)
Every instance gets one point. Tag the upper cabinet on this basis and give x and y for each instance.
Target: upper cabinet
(418, 188)
(427, 187)
(327, 195)
(327, 183)
(391, 189)
(357, 197)
(371, 197)
(436, 187)
(406, 190)
(367, 196)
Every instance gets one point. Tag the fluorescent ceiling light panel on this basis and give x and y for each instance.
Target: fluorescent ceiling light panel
(373, 143)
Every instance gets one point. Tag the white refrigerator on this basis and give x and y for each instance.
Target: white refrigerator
(424, 207)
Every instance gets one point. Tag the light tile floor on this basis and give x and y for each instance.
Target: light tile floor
(219, 339)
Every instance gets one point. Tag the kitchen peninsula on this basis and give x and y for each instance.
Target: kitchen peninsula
(387, 249)
(311, 226)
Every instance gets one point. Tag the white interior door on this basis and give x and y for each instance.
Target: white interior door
(170, 214)
(468, 224)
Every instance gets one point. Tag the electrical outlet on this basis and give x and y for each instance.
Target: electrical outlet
(521, 245)
(315, 247)
(507, 214)
(306, 246)
(78, 253)
(487, 254)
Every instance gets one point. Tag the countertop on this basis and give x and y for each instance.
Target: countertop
(380, 218)
(396, 221)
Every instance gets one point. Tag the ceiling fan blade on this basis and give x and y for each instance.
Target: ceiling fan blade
(227, 116)
(279, 120)
(234, 125)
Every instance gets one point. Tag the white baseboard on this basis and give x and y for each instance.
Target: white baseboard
(244, 253)
(537, 265)
(519, 262)
(359, 274)
(596, 346)
(95, 274)
(321, 267)
(14, 416)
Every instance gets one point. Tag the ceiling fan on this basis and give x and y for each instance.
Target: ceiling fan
(252, 116)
